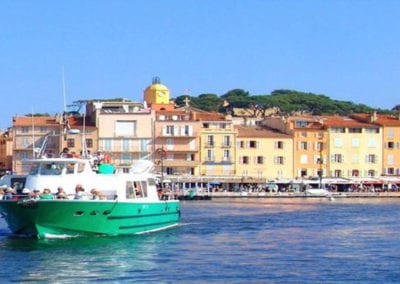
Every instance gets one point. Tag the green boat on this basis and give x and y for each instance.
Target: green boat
(129, 202)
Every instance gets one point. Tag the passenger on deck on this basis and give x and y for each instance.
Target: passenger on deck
(8, 195)
(1, 193)
(97, 194)
(46, 194)
(80, 193)
(25, 193)
(61, 193)
(35, 194)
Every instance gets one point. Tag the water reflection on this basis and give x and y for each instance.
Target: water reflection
(296, 241)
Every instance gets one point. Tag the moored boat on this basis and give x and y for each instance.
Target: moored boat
(130, 203)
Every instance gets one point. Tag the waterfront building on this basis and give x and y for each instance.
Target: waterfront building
(177, 149)
(124, 130)
(391, 140)
(263, 154)
(6, 141)
(310, 143)
(355, 147)
(36, 136)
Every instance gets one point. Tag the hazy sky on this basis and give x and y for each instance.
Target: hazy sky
(348, 50)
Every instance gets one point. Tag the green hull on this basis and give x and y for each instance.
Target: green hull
(70, 218)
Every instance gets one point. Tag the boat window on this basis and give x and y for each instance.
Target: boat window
(50, 169)
(81, 167)
(34, 169)
(138, 190)
(130, 191)
(144, 188)
(70, 168)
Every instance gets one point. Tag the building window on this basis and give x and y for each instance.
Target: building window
(355, 173)
(279, 160)
(355, 142)
(227, 141)
(259, 160)
(24, 129)
(390, 133)
(338, 143)
(210, 140)
(337, 173)
(320, 146)
(170, 130)
(390, 145)
(252, 144)
(89, 143)
(371, 159)
(337, 158)
(303, 146)
(245, 160)
(371, 143)
(301, 124)
(227, 155)
(126, 144)
(355, 130)
(70, 142)
(279, 145)
(338, 130)
(125, 128)
(210, 155)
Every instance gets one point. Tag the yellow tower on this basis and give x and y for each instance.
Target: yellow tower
(156, 93)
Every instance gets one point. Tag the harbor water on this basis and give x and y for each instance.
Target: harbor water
(303, 240)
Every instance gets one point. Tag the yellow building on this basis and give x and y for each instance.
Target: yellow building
(355, 147)
(217, 145)
(391, 146)
(310, 144)
(263, 153)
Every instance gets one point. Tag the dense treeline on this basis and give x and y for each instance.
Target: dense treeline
(286, 101)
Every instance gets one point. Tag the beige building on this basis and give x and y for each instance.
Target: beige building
(176, 142)
(391, 143)
(36, 136)
(125, 130)
(263, 153)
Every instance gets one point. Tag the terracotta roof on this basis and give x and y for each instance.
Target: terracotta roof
(36, 120)
(381, 119)
(259, 132)
(344, 121)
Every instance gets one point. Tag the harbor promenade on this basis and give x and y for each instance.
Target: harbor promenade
(283, 195)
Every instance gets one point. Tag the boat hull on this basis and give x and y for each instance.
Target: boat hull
(71, 218)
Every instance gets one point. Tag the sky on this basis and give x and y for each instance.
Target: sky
(53, 53)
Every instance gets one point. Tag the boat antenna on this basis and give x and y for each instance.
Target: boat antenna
(63, 89)
(33, 135)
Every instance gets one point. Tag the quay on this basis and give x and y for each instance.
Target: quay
(283, 195)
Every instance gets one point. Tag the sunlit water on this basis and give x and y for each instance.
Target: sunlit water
(242, 241)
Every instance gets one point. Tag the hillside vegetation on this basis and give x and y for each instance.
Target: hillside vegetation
(287, 101)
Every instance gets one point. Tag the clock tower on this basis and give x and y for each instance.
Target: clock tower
(156, 93)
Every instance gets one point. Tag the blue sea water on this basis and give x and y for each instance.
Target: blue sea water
(228, 241)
